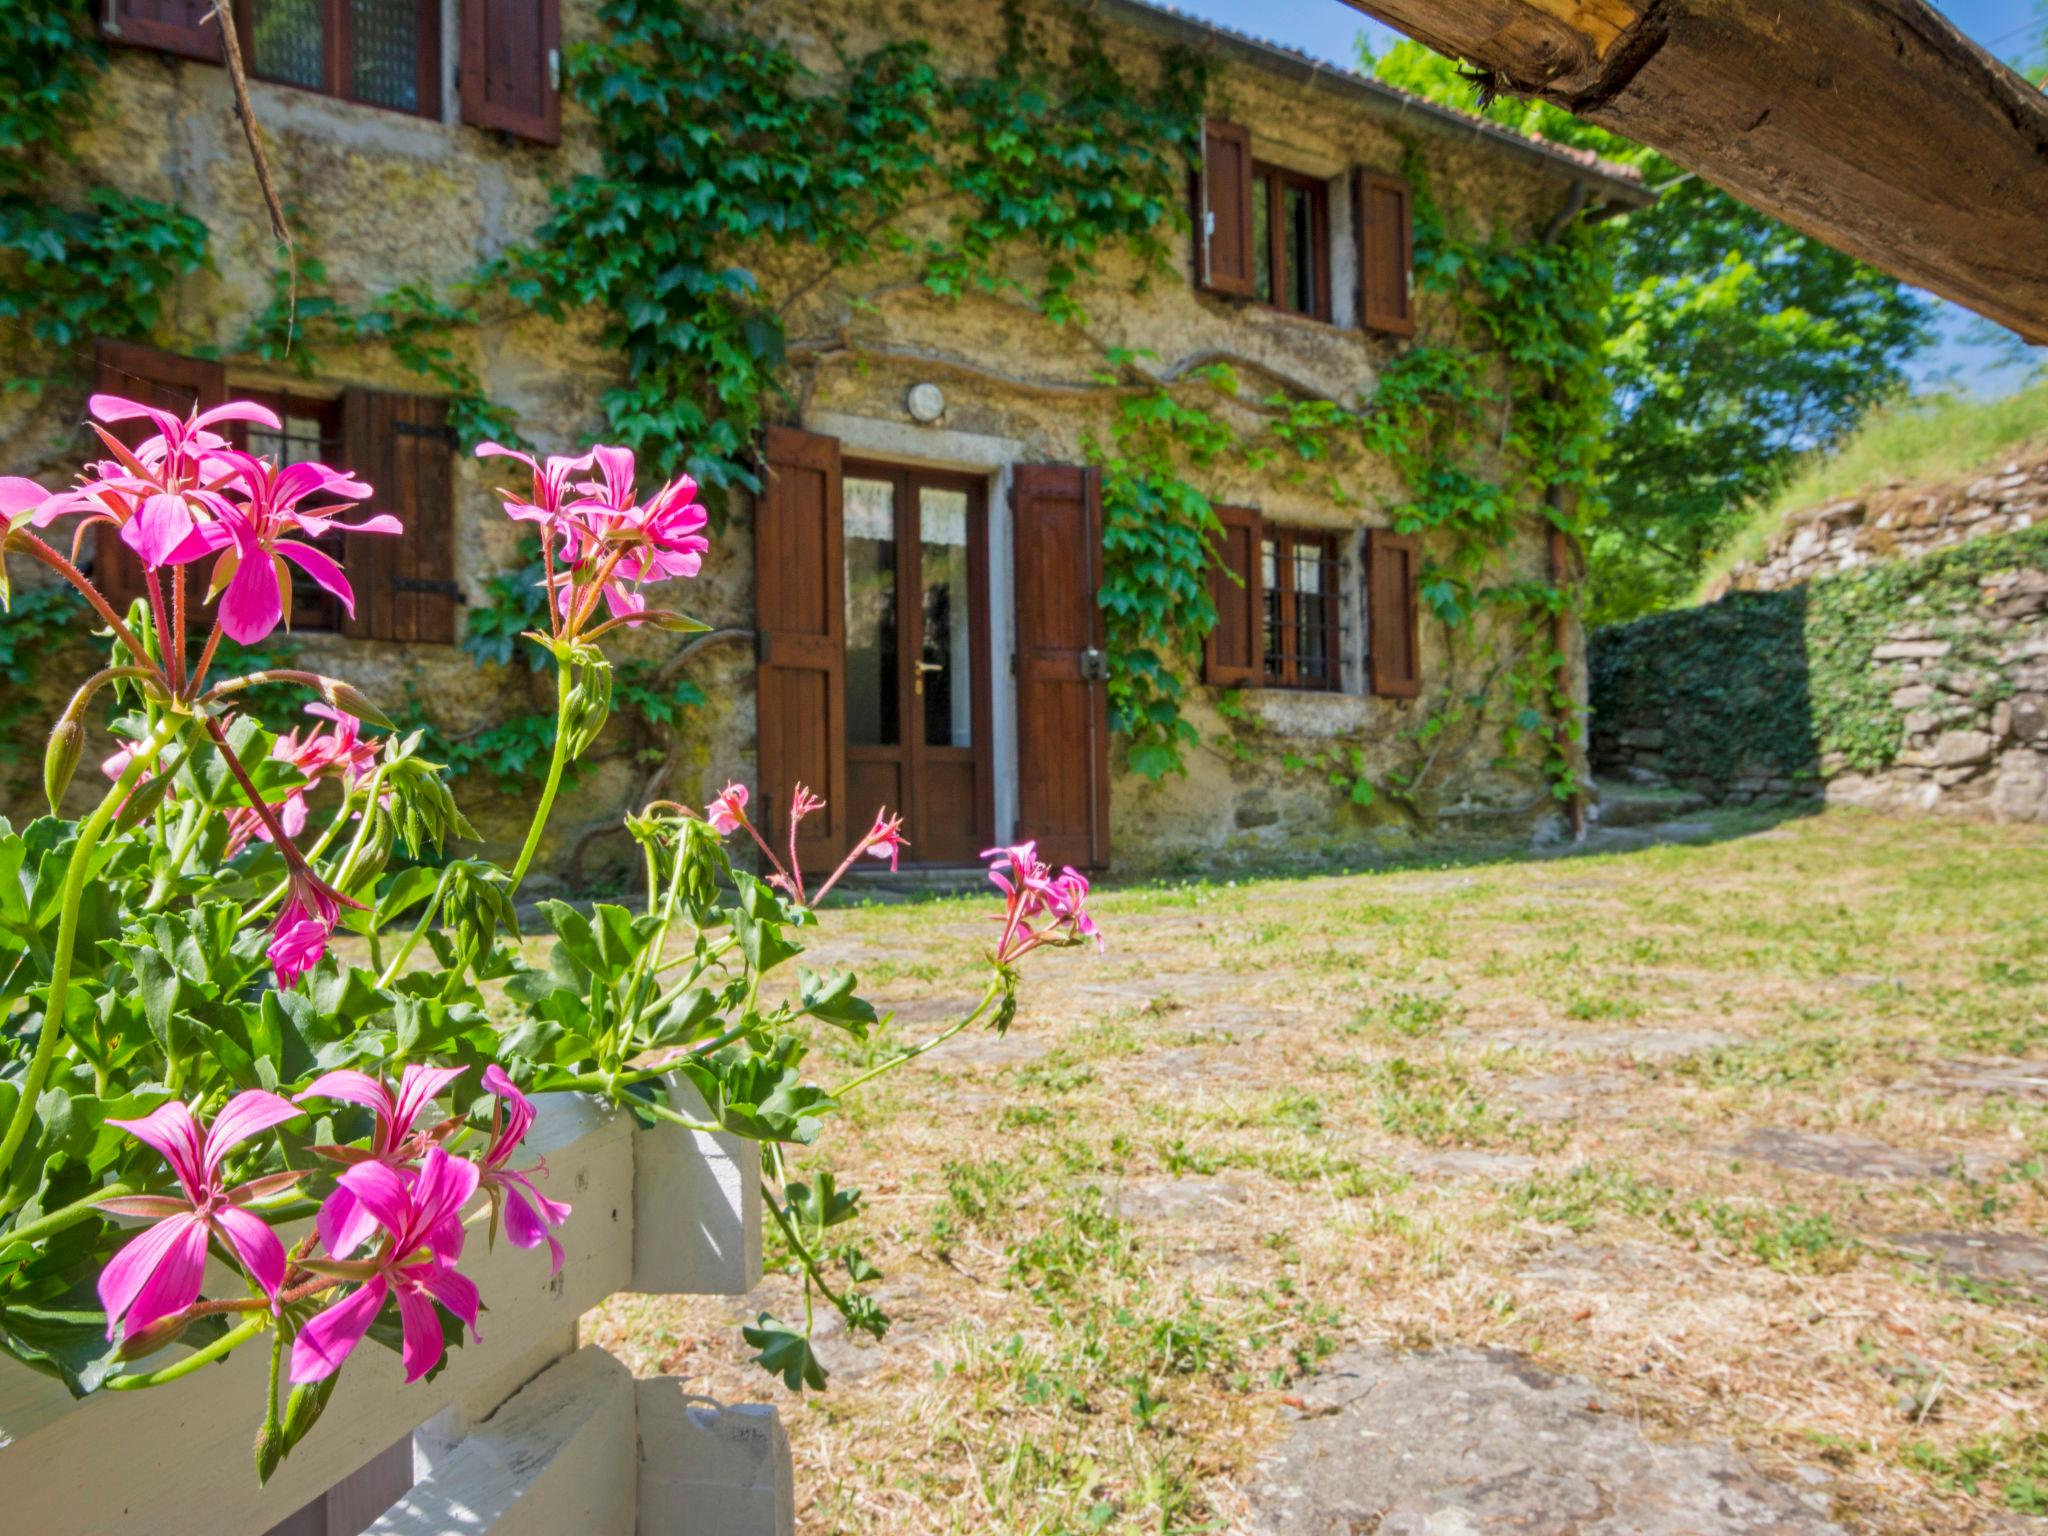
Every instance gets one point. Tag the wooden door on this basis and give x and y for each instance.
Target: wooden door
(800, 607)
(916, 668)
(1062, 694)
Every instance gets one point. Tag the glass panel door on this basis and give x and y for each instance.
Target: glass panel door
(945, 675)
(873, 710)
(917, 657)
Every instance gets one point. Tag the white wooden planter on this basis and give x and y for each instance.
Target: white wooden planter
(522, 1435)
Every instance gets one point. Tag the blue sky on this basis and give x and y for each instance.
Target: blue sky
(1329, 29)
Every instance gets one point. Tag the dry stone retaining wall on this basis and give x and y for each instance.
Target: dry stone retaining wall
(1912, 686)
(1894, 523)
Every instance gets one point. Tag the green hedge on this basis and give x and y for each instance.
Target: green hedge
(1767, 682)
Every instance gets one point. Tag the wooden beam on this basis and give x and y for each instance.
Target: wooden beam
(1871, 124)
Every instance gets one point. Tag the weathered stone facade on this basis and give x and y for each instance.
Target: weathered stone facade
(382, 199)
(1895, 523)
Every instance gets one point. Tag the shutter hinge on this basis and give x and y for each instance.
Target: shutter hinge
(764, 647)
(431, 587)
(415, 429)
(554, 69)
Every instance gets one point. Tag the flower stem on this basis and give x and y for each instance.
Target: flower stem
(932, 1044)
(555, 766)
(219, 1349)
(75, 876)
(67, 1215)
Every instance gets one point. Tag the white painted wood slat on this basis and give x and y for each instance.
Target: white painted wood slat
(527, 1432)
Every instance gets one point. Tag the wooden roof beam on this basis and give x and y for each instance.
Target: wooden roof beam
(1871, 124)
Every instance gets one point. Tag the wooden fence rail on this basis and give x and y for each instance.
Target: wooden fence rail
(522, 1432)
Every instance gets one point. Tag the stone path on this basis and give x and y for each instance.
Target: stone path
(1461, 1442)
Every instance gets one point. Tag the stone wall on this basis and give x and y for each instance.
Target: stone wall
(1915, 686)
(381, 199)
(1893, 523)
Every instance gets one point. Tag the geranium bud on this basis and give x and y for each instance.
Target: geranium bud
(147, 1341)
(142, 802)
(350, 701)
(60, 759)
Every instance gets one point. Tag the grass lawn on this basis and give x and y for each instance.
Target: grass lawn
(1734, 1129)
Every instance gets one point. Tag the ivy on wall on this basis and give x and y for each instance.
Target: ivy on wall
(1770, 682)
(77, 260)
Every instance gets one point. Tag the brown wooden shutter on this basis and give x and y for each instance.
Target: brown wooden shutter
(1392, 573)
(800, 611)
(170, 383)
(1223, 211)
(509, 67)
(184, 27)
(1062, 688)
(404, 585)
(1382, 209)
(1233, 656)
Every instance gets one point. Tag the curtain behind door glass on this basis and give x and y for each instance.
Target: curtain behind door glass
(872, 709)
(948, 675)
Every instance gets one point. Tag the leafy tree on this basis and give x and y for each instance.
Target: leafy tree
(1735, 345)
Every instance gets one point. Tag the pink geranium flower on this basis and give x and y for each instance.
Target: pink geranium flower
(340, 751)
(159, 1272)
(885, 840)
(154, 492)
(410, 1263)
(298, 939)
(345, 1223)
(1030, 890)
(251, 576)
(728, 813)
(530, 1217)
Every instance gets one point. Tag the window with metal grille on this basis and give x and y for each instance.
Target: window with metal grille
(382, 53)
(1300, 579)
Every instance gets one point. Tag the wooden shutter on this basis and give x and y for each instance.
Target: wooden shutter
(184, 27)
(1223, 211)
(1382, 210)
(1392, 568)
(1233, 656)
(800, 611)
(405, 585)
(1062, 687)
(509, 67)
(170, 383)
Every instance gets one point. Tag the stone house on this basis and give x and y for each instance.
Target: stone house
(906, 615)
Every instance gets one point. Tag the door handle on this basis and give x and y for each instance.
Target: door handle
(922, 668)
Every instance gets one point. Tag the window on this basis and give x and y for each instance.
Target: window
(1278, 607)
(1263, 232)
(1298, 576)
(383, 53)
(1290, 241)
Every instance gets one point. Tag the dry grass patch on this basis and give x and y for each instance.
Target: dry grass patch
(1676, 1120)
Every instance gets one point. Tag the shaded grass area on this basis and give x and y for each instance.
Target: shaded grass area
(1502, 1105)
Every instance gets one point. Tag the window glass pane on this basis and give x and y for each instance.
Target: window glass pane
(1269, 574)
(871, 684)
(386, 66)
(1310, 614)
(288, 43)
(943, 663)
(1301, 251)
(1262, 237)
